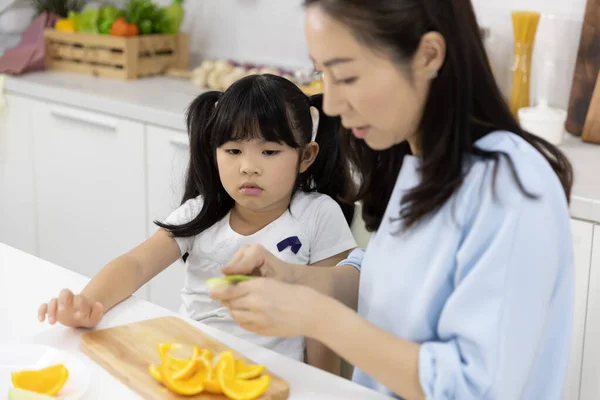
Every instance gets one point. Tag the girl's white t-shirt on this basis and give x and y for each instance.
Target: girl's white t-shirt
(317, 222)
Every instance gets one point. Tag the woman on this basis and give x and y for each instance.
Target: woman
(466, 289)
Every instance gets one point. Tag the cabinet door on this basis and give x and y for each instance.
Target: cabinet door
(168, 156)
(590, 371)
(582, 234)
(90, 186)
(17, 209)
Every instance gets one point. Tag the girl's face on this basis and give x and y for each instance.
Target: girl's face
(368, 89)
(260, 175)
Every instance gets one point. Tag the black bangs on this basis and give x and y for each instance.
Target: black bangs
(253, 109)
(265, 107)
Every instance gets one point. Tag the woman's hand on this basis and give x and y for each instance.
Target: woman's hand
(256, 260)
(272, 308)
(71, 310)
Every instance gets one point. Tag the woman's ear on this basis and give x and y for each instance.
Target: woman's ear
(309, 155)
(430, 56)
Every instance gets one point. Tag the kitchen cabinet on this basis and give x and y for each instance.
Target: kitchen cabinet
(17, 201)
(90, 186)
(590, 371)
(168, 157)
(582, 235)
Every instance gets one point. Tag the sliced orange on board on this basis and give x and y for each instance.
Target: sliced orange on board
(47, 381)
(240, 389)
(243, 371)
(201, 373)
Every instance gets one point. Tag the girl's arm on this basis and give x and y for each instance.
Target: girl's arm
(118, 280)
(121, 277)
(317, 354)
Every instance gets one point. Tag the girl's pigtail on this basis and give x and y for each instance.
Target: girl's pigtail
(202, 175)
(330, 172)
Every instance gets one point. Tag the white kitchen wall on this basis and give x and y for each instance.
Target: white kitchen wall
(270, 32)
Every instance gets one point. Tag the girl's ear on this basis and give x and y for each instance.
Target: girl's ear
(309, 154)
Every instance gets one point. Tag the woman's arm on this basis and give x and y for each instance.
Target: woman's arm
(121, 277)
(393, 361)
(317, 354)
(118, 280)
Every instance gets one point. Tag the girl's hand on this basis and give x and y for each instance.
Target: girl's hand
(272, 308)
(256, 260)
(71, 310)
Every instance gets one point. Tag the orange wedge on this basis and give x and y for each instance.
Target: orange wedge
(187, 387)
(47, 381)
(189, 368)
(244, 371)
(155, 372)
(165, 348)
(238, 389)
(225, 369)
(211, 385)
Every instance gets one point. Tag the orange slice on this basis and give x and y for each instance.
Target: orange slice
(48, 380)
(165, 348)
(244, 371)
(155, 372)
(211, 385)
(238, 389)
(225, 369)
(189, 368)
(187, 387)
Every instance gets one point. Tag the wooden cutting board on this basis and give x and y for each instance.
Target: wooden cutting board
(126, 351)
(591, 129)
(586, 69)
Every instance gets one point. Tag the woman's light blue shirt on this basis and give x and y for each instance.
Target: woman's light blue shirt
(485, 284)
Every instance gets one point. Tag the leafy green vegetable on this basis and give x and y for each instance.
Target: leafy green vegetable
(140, 11)
(104, 27)
(86, 21)
(145, 27)
(175, 14)
(109, 13)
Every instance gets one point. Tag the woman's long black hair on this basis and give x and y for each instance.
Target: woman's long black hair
(464, 104)
(258, 106)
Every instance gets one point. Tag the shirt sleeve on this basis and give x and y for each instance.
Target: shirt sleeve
(182, 215)
(514, 277)
(330, 233)
(354, 259)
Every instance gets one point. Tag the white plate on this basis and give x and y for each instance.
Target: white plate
(16, 357)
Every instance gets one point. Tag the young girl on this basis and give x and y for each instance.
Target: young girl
(265, 167)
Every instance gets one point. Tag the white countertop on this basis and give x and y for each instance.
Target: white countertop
(27, 281)
(162, 101)
(585, 197)
(156, 100)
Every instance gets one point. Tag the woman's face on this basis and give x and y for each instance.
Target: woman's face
(369, 90)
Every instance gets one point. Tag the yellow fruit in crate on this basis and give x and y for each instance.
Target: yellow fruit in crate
(48, 380)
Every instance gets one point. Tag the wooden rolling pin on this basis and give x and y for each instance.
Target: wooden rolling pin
(586, 69)
(591, 129)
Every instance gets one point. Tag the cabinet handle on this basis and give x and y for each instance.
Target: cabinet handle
(180, 141)
(86, 118)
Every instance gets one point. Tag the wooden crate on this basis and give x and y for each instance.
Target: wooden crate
(115, 57)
